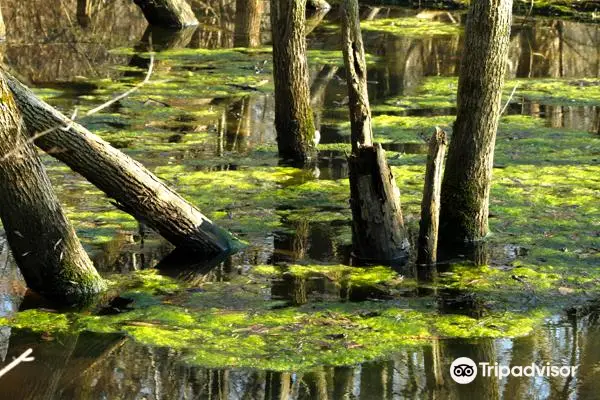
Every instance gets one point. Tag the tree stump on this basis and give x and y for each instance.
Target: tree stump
(430, 205)
(377, 226)
(167, 13)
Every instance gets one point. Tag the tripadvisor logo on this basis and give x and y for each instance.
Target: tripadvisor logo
(464, 370)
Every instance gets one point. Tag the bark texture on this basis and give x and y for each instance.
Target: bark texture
(317, 5)
(135, 189)
(356, 72)
(2, 27)
(248, 14)
(42, 240)
(167, 13)
(466, 184)
(430, 205)
(377, 227)
(293, 115)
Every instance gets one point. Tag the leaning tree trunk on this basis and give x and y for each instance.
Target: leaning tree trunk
(377, 226)
(293, 116)
(167, 13)
(467, 179)
(135, 189)
(41, 238)
(248, 14)
(317, 5)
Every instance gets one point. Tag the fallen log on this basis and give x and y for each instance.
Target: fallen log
(430, 205)
(167, 13)
(134, 189)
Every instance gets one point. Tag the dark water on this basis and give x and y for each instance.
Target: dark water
(53, 49)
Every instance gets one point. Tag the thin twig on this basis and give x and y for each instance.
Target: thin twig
(22, 358)
(127, 93)
(71, 121)
(509, 99)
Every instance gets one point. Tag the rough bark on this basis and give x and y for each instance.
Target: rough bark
(377, 226)
(42, 240)
(135, 189)
(2, 27)
(248, 14)
(293, 116)
(356, 72)
(167, 13)
(430, 205)
(467, 180)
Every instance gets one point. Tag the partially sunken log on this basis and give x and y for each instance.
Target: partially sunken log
(167, 13)
(135, 189)
(42, 240)
(317, 5)
(2, 27)
(377, 226)
(430, 205)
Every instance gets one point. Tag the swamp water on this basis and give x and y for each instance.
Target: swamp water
(287, 317)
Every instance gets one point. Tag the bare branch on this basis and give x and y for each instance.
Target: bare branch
(101, 107)
(22, 358)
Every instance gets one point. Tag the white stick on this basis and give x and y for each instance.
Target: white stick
(22, 358)
(509, 99)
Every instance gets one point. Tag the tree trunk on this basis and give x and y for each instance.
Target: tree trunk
(135, 189)
(317, 5)
(41, 238)
(293, 116)
(377, 226)
(467, 180)
(356, 76)
(430, 205)
(247, 23)
(378, 233)
(84, 13)
(2, 27)
(167, 13)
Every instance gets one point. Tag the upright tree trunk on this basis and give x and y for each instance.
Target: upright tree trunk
(317, 5)
(135, 189)
(377, 226)
(42, 240)
(2, 27)
(356, 76)
(248, 14)
(167, 13)
(293, 116)
(430, 205)
(84, 13)
(467, 180)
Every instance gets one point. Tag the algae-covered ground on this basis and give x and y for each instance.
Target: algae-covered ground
(294, 310)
